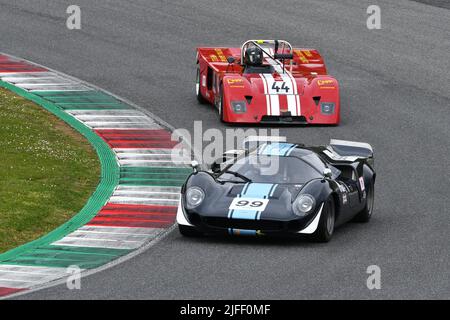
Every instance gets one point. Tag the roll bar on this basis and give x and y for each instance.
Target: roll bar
(277, 43)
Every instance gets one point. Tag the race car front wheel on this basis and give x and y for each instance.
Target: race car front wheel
(197, 87)
(220, 103)
(325, 229)
(189, 231)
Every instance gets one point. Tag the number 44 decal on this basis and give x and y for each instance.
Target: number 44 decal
(277, 88)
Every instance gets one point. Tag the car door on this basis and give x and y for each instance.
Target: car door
(349, 181)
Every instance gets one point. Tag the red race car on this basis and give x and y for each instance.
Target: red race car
(267, 81)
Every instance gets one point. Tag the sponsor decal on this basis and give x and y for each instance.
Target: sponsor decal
(300, 55)
(325, 82)
(343, 190)
(307, 53)
(235, 81)
(221, 56)
(253, 204)
(344, 198)
(361, 183)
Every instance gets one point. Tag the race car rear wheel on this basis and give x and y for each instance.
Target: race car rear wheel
(366, 213)
(325, 229)
(189, 231)
(197, 88)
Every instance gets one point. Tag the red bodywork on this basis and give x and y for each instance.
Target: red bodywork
(266, 98)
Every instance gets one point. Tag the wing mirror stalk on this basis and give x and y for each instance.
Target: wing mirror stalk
(327, 173)
(194, 165)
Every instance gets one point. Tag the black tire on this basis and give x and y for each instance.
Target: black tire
(366, 213)
(325, 229)
(220, 104)
(189, 231)
(200, 98)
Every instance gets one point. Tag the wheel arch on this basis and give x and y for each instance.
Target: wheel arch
(369, 174)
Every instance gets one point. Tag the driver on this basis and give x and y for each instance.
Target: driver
(253, 56)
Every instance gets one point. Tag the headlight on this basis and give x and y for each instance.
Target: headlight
(194, 196)
(327, 108)
(239, 106)
(303, 205)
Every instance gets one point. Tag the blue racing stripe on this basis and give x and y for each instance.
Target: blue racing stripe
(252, 190)
(273, 190)
(258, 190)
(290, 150)
(244, 214)
(277, 149)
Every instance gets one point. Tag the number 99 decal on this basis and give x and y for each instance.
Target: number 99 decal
(249, 204)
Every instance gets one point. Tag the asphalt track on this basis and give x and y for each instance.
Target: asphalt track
(395, 95)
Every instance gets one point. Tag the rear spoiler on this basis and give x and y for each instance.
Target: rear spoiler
(349, 151)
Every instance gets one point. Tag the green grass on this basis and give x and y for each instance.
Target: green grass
(47, 171)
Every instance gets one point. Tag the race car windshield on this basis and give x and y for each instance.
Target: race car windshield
(272, 169)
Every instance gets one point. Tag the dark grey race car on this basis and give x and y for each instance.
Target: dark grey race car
(279, 188)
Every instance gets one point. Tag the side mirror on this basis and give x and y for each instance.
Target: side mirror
(327, 173)
(231, 59)
(215, 167)
(194, 165)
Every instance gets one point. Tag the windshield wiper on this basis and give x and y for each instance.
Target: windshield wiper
(237, 174)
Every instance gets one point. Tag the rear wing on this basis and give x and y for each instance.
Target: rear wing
(349, 151)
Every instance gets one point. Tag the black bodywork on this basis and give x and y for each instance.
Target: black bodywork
(343, 184)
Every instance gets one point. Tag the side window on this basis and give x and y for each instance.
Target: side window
(209, 78)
